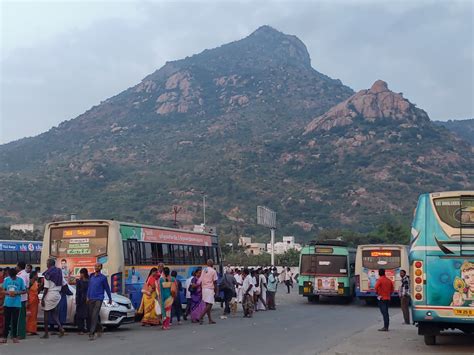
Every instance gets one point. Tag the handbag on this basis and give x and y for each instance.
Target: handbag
(157, 308)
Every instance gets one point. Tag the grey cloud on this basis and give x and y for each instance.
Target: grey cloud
(422, 49)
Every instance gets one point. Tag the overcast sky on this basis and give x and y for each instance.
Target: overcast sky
(59, 58)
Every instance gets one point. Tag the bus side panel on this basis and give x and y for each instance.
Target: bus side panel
(136, 275)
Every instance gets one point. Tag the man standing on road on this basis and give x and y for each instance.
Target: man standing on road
(208, 281)
(228, 284)
(247, 290)
(271, 288)
(22, 274)
(404, 293)
(288, 279)
(384, 289)
(98, 284)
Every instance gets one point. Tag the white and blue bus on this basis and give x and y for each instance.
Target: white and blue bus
(442, 263)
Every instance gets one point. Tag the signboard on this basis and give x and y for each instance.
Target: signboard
(266, 217)
(131, 232)
(379, 253)
(79, 232)
(175, 237)
(20, 246)
(324, 250)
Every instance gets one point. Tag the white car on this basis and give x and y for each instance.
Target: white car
(113, 315)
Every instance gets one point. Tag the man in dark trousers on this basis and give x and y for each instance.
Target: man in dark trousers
(98, 284)
(404, 293)
(384, 289)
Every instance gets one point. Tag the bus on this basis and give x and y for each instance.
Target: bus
(13, 251)
(372, 257)
(127, 251)
(326, 269)
(442, 263)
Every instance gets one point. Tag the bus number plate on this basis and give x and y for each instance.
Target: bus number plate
(464, 312)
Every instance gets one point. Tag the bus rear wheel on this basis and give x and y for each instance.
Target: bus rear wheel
(430, 339)
(313, 299)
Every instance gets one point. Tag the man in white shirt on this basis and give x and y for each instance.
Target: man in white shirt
(238, 278)
(22, 274)
(247, 290)
(288, 279)
(188, 295)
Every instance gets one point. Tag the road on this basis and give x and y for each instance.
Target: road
(296, 327)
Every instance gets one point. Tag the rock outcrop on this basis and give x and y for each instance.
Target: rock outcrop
(372, 104)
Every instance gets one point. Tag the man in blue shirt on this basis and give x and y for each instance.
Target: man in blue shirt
(14, 287)
(98, 284)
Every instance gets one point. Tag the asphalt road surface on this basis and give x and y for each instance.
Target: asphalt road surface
(296, 327)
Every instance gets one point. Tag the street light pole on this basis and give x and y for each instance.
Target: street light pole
(204, 208)
(272, 242)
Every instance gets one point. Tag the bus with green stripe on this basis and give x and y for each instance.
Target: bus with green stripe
(327, 269)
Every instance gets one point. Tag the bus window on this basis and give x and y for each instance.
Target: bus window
(131, 252)
(455, 211)
(376, 259)
(146, 253)
(324, 264)
(166, 253)
(188, 254)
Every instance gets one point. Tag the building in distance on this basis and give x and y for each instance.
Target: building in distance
(282, 247)
(23, 227)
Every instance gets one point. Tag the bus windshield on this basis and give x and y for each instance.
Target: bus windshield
(324, 265)
(376, 259)
(78, 241)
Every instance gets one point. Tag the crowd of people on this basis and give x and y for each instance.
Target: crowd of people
(19, 300)
(20, 287)
(253, 288)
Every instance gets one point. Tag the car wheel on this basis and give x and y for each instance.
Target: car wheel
(430, 339)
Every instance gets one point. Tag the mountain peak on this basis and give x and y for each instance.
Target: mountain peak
(267, 30)
(263, 48)
(371, 105)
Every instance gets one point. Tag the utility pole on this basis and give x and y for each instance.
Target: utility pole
(176, 210)
(204, 208)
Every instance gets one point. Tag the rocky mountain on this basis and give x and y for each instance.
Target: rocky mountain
(248, 123)
(462, 128)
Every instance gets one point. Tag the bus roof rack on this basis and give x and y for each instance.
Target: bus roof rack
(336, 242)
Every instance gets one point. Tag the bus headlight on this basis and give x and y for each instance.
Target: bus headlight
(418, 288)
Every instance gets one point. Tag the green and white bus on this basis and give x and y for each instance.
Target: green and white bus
(327, 269)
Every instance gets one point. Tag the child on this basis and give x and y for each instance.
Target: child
(177, 307)
(14, 287)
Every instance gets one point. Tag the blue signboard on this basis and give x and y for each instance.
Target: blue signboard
(20, 246)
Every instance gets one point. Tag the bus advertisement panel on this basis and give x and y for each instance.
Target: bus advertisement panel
(442, 263)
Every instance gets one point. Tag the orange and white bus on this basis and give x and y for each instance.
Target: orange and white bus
(372, 257)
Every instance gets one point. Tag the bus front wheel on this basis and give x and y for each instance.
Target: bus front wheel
(430, 339)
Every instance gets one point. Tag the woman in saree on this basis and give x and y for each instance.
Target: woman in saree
(167, 292)
(197, 304)
(32, 306)
(149, 298)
